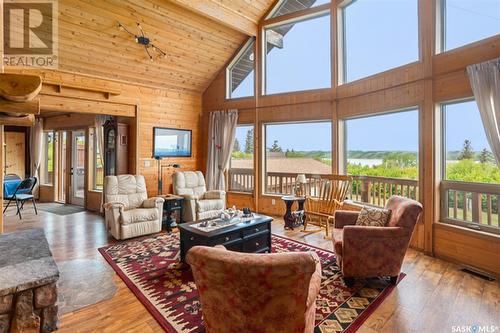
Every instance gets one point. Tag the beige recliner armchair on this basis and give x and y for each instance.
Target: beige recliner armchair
(199, 203)
(128, 211)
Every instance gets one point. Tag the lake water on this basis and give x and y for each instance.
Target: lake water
(366, 161)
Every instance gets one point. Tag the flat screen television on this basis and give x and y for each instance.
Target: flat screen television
(171, 142)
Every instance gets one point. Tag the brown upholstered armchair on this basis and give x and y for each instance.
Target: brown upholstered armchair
(242, 292)
(375, 251)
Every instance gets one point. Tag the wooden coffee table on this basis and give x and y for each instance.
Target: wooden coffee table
(253, 236)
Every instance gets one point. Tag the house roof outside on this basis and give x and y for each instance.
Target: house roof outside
(287, 165)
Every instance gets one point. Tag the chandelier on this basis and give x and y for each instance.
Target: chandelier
(143, 40)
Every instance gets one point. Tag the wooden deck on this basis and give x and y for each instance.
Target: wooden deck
(433, 297)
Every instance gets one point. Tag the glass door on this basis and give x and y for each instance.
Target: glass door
(78, 168)
(63, 160)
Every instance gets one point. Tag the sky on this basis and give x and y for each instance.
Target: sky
(375, 43)
(394, 131)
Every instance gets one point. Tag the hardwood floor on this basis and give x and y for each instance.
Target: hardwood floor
(433, 297)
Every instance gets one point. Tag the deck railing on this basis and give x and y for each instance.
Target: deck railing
(372, 190)
(474, 205)
(377, 190)
(241, 180)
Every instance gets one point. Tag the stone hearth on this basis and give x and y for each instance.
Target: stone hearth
(28, 276)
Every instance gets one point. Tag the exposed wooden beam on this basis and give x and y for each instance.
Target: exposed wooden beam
(75, 105)
(28, 120)
(215, 10)
(274, 38)
(31, 107)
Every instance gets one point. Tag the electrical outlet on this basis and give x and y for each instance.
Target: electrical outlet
(147, 163)
(273, 202)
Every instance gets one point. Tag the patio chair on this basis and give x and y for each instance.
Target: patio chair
(22, 193)
(323, 198)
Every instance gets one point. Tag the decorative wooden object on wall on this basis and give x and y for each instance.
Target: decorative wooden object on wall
(19, 87)
(115, 148)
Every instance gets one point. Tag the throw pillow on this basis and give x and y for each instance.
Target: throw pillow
(373, 217)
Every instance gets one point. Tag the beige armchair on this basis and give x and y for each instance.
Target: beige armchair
(128, 211)
(199, 203)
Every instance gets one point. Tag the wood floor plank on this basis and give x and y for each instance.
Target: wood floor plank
(433, 296)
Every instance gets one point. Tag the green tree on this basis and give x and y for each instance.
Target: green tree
(236, 146)
(400, 159)
(485, 156)
(276, 147)
(249, 142)
(467, 152)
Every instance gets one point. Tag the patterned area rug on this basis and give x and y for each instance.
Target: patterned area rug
(149, 267)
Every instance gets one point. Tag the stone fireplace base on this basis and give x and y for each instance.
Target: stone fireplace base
(28, 276)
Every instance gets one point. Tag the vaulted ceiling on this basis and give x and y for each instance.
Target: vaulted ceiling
(199, 37)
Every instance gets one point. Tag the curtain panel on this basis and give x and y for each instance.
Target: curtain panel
(222, 132)
(99, 136)
(485, 81)
(36, 147)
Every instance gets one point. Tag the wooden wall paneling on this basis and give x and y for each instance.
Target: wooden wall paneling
(458, 59)
(234, 18)
(241, 200)
(463, 246)
(427, 140)
(452, 86)
(391, 99)
(15, 159)
(427, 184)
(196, 47)
(71, 104)
(334, 140)
(68, 121)
(301, 97)
(400, 76)
(296, 112)
(153, 106)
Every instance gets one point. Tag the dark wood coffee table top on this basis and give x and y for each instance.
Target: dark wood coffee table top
(259, 219)
(252, 236)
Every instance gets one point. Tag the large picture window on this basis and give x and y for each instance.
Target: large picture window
(297, 55)
(240, 73)
(373, 43)
(241, 174)
(471, 178)
(382, 156)
(47, 165)
(296, 148)
(466, 21)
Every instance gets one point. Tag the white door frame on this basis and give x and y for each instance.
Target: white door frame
(74, 198)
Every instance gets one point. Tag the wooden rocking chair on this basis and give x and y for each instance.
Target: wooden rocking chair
(323, 198)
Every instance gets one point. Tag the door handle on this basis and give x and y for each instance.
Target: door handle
(71, 171)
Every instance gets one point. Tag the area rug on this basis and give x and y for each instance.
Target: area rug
(149, 267)
(83, 282)
(59, 209)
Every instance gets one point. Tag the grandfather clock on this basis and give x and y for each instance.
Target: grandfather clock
(115, 148)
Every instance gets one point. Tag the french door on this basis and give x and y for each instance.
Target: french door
(77, 171)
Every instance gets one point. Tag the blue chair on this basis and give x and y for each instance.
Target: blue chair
(21, 194)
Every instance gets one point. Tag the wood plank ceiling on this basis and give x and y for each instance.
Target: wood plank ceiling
(197, 45)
